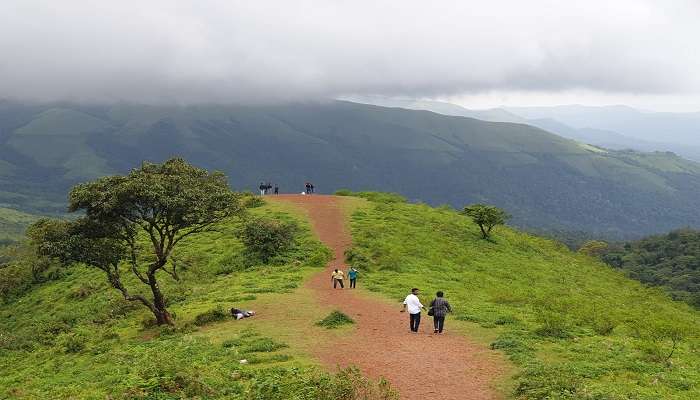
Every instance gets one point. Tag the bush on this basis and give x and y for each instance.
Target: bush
(267, 238)
(250, 201)
(553, 325)
(217, 314)
(343, 192)
(73, 343)
(334, 320)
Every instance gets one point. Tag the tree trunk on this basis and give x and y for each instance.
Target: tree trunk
(484, 234)
(161, 313)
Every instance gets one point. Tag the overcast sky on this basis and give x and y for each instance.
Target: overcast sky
(645, 53)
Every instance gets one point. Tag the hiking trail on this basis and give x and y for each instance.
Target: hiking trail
(419, 366)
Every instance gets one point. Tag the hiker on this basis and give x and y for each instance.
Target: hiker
(240, 314)
(308, 188)
(277, 189)
(337, 277)
(439, 308)
(262, 189)
(311, 186)
(268, 187)
(413, 305)
(352, 274)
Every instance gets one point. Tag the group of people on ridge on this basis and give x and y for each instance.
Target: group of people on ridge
(309, 188)
(266, 187)
(337, 278)
(438, 308)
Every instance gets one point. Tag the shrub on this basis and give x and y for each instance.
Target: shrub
(603, 325)
(548, 382)
(343, 192)
(84, 291)
(217, 314)
(250, 201)
(553, 325)
(266, 238)
(334, 320)
(73, 343)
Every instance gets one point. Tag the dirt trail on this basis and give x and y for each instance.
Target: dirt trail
(420, 366)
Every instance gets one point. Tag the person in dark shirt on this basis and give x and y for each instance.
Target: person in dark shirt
(439, 308)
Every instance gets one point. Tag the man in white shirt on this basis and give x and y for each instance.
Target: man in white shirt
(413, 305)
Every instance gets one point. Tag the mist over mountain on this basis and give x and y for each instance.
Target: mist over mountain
(544, 180)
(624, 126)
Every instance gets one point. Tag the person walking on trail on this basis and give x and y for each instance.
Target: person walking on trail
(352, 275)
(277, 189)
(308, 188)
(439, 308)
(311, 186)
(413, 305)
(262, 188)
(337, 277)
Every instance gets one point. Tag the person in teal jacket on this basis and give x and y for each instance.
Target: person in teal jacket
(352, 274)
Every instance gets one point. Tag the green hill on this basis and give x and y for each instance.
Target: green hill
(572, 327)
(544, 181)
(74, 337)
(575, 328)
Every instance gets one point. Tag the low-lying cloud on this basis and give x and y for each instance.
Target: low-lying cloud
(258, 51)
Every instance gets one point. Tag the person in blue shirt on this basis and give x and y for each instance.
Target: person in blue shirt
(352, 274)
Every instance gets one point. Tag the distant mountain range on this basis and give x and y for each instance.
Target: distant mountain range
(611, 127)
(544, 180)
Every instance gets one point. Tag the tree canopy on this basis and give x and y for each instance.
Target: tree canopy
(159, 204)
(486, 217)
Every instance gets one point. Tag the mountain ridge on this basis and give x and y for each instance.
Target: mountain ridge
(544, 180)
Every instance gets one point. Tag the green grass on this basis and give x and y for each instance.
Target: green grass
(574, 328)
(335, 320)
(76, 338)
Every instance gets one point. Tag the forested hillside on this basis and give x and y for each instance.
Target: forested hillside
(671, 261)
(543, 180)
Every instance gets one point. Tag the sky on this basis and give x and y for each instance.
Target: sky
(478, 54)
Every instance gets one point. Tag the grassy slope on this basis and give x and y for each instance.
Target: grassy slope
(75, 338)
(549, 309)
(13, 223)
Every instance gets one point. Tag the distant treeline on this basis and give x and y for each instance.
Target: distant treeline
(671, 261)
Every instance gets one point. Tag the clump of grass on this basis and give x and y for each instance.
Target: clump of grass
(262, 345)
(215, 315)
(334, 320)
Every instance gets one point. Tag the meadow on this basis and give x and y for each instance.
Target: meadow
(75, 337)
(573, 327)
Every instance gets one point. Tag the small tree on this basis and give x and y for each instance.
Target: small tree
(486, 217)
(162, 203)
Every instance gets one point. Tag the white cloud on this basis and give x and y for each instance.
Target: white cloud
(219, 51)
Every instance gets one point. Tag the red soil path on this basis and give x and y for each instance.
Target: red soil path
(419, 366)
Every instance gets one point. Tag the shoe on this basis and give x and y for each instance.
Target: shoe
(435, 331)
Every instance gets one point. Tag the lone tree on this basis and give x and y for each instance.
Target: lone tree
(486, 217)
(158, 203)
